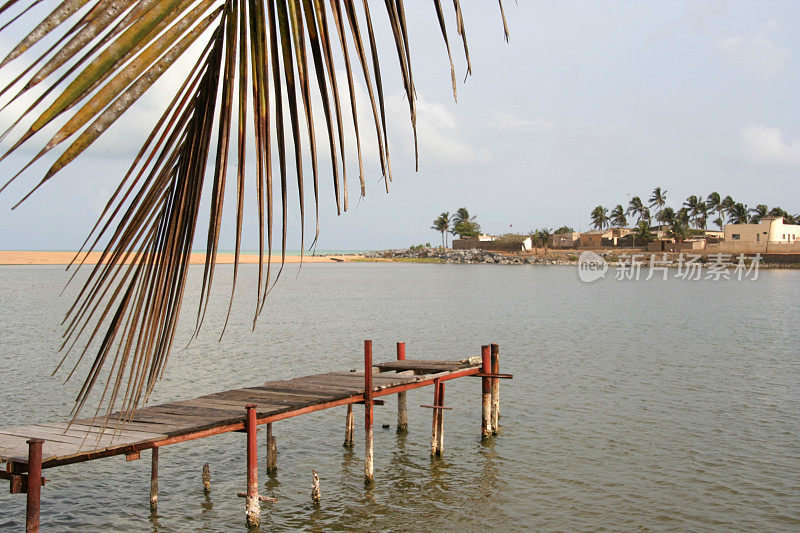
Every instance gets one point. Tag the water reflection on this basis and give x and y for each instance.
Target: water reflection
(154, 525)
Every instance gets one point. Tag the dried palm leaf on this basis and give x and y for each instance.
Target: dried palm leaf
(106, 54)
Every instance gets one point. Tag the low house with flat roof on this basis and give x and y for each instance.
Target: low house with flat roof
(768, 230)
(598, 238)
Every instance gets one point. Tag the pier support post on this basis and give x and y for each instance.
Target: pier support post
(486, 387)
(206, 479)
(440, 421)
(154, 479)
(349, 425)
(495, 358)
(435, 420)
(34, 485)
(437, 431)
(368, 465)
(272, 451)
(402, 409)
(252, 506)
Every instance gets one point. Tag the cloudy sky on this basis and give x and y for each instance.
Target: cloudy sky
(589, 103)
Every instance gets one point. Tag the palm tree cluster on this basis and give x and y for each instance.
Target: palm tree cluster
(461, 223)
(268, 63)
(695, 211)
(541, 237)
(442, 225)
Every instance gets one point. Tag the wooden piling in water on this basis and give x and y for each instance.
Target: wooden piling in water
(440, 421)
(486, 387)
(154, 480)
(272, 451)
(435, 420)
(34, 489)
(306, 394)
(316, 494)
(402, 408)
(495, 362)
(368, 463)
(349, 425)
(252, 506)
(206, 479)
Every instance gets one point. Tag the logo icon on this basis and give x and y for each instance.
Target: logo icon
(591, 267)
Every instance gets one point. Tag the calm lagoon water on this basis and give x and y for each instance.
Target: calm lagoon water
(660, 405)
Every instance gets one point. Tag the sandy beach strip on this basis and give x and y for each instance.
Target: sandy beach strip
(64, 258)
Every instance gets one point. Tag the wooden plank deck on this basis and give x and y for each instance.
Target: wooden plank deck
(219, 412)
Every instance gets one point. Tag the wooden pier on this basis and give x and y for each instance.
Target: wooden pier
(29, 450)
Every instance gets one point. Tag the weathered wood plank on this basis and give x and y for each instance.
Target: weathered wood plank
(125, 433)
(79, 440)
(315, 389)
(393, 378)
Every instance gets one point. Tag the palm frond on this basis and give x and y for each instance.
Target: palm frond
(262, 59)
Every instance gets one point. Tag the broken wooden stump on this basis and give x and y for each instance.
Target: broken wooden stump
(316, 494)
(206, 479)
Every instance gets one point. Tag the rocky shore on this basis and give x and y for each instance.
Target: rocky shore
(474, 256)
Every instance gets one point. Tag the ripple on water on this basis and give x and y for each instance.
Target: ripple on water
(635, 406)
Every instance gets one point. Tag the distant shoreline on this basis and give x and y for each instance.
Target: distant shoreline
(42, 258)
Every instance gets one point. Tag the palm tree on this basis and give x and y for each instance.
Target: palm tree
(599, 217)
(644, 214)
(758, 212)
(442, 224)
(726, 205)
(714, 203)
(701, 218)
(778, 212)
(683, 216)
(464, 225)
(635, 207)
(658, 200)
(643, 233)
(254, 67)
(666, 216)
(678, 229)
(544, 237)
(618, 217)
(535, 238)
(692, 204)
(739, 214)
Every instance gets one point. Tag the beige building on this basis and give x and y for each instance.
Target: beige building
(770, 229)
(564, 240)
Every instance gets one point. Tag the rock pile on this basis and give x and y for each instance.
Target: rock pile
(473, 256)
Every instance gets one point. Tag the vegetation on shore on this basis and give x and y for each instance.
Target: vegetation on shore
(694, 212)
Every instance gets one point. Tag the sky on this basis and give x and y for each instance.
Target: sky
(589, 103)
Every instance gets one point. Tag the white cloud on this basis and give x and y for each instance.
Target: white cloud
(765, 145)
(759, 54)
(507, 119)
(440, 135)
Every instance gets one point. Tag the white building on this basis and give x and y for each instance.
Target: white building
(769, 229)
